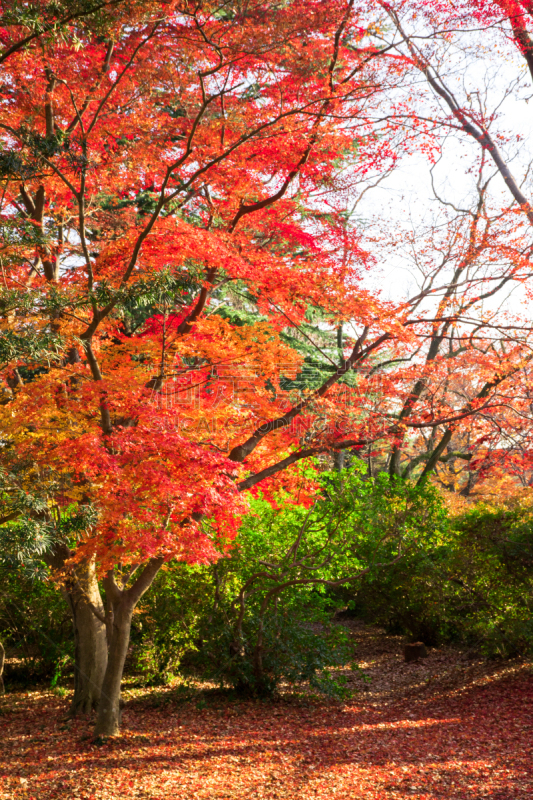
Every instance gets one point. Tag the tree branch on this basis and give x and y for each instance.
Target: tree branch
(241, 451)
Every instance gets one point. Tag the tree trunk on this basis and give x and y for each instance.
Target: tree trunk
(338, 460)
(2, 657)
(82, 593)
(108, 723)
(121, 603)
(90, 642)
(258, 660)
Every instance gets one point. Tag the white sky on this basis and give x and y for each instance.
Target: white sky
(406, 197)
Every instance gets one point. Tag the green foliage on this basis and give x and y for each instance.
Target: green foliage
(12, 165)
(35, 623)
(58, 19)
(165, 625)
(30, 346)
(170, 288)
(35, 628)
(24, 533)
(492, 568)
(261, 616)
(473, 584)
(290, 641)
(47, 146)
(28, 529)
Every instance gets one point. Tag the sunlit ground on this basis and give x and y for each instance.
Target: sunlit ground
(466, 742)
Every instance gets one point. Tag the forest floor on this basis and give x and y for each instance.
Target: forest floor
(449, 727)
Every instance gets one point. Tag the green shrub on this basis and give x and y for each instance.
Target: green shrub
(472, 585)
(166, 623)
(35, 628)
(262, 615)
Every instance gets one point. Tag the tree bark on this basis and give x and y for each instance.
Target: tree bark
(338, 460)
(108, 722)
(2, 657)
(82, 593)
(120, 606)
(90, 643)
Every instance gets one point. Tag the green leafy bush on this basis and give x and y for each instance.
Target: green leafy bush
(35, 628)
(473, 584)
(262, 615)
(166, 624)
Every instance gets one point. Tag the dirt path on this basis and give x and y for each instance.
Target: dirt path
(380, 657)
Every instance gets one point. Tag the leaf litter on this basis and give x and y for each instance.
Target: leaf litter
(448, 727)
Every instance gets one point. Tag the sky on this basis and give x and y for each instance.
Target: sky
(479, 71)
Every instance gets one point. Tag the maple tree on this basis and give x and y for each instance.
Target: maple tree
(175, 182)
(181, 149)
